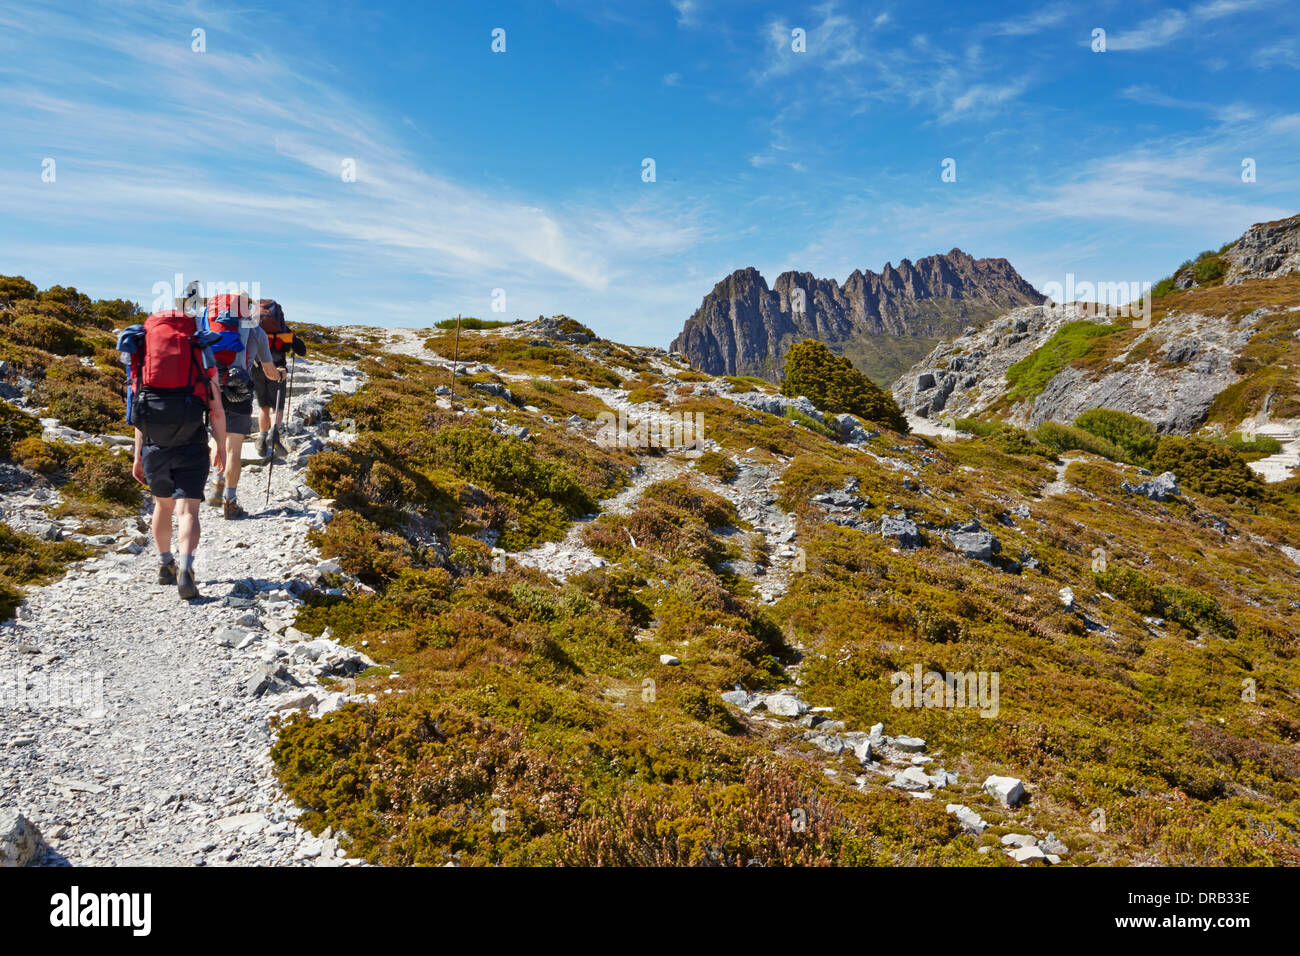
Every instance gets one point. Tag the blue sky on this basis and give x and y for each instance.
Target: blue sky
(522, 170)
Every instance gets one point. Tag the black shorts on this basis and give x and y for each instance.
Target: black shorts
(179, 472)
(267, 391)
(239, 416)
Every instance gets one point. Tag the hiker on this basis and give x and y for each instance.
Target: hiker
(271, 395)
(171, 387)
(240, 345)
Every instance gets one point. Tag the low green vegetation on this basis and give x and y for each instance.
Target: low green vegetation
(1070, 342)
(519, 719)
(473, 324)
(1135, 437)
(718, 465)
(1258, 445)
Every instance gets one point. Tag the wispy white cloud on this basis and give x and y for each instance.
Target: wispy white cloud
(1170, 24)
(1224, 112)
(688, 12)
(239, 144)
(1033, 22)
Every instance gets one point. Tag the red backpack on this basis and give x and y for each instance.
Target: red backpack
(225, 314)
(167, 394)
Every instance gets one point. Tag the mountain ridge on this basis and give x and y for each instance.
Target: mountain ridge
(878, 320)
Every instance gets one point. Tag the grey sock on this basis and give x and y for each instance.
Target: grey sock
(165, 557)
(185, 562)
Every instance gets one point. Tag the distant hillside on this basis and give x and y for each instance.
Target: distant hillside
(882, 322)
(1222, 350)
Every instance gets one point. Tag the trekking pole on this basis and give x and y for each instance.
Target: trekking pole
(275, 428)
(455, 357)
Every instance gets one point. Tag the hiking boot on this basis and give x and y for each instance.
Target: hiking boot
(218, 493)
(185, 585)
(263, 446)
(232, 509)
(278, 446)
(167, 573)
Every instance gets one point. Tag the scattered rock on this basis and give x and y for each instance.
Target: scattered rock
(785, 705)
(970, 821)
(901, 528)
(20, 842)
(1162, 488)
(1008, 790)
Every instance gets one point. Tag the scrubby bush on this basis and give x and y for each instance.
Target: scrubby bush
(718, 465)
(48, 334)
(25, 559)
(1258, 444)
(15, 425)
(14, 288)
(88, 398)
(568, 326)
(363, 550)
(808, 422)
(36, 454)
(614, 588)
(1135, 437)
(468, 322)
(714, 510)
(1208, 468)
(1062, 438)
(1208, 269)
(97, 475)
(701, 705)
(505, 463)
(832, 384)
(1185, 605)
(973, 426)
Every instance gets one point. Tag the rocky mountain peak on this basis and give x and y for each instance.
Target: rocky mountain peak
(882, 321)
(1266, 250)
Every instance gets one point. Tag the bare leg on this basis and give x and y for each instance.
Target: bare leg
(162, 523)
(187, 530)
(264, 419)
(234, 464)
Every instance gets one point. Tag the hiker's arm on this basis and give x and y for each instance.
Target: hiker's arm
(217, 422)
(272, 371)
(137, 468)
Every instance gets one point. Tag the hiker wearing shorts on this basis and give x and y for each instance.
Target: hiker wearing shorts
(239, 425)
(271, 394)
(172, 385)
(240, 345)
(268, 402)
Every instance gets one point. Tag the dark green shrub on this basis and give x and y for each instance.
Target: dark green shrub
(48, 334)
(14, 288)
(832, 384)
(15, 425)
(1062, 438)
(1135, 437)
(1208, 468)
(99, 475)
(1209, 269)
